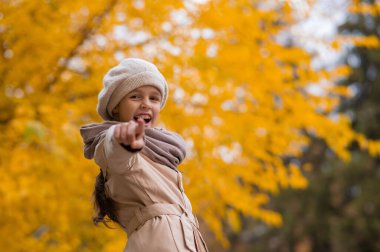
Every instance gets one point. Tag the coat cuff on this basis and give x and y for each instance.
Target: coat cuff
(130, 149)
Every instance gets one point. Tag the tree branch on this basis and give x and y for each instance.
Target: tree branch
(89, 29)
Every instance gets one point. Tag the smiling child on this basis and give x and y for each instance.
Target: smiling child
(139, 185)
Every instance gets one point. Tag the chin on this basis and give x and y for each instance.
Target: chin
(149, 125)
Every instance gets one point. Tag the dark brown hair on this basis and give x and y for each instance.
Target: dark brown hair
(104, 208)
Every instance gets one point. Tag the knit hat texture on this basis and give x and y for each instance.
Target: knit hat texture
(130, 74)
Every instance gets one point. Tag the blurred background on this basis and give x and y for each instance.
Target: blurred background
(277, 100)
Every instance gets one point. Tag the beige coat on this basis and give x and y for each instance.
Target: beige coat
(151, 204)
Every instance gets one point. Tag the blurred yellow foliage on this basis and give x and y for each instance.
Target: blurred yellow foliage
(239, 98)
(365, 8)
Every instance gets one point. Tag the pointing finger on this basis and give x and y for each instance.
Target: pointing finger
(131, 132)
(140, 128)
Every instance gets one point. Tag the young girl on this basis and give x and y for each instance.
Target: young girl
(139, 185)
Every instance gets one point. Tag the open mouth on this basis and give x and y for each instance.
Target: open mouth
(145, 117)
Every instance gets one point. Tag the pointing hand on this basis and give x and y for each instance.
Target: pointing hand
(130, 133)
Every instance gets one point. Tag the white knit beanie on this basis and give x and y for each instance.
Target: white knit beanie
(130, 74)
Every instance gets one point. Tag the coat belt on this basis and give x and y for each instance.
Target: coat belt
(146, 213)
(188, 221)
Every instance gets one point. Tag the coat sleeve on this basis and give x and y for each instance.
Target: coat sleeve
(111, 156)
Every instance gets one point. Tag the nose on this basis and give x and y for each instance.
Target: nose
(145, 104)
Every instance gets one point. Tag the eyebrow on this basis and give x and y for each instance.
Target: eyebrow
(152, 93)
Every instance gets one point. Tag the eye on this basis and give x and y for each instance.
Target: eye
(134, 96)
(155, 98)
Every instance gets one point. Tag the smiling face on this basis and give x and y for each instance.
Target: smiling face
(143, 102)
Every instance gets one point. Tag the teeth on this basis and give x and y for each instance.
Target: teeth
(143, 116)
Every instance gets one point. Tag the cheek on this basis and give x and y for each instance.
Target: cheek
(156, 112)
(126, 111)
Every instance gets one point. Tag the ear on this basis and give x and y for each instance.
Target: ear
(115, 111)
